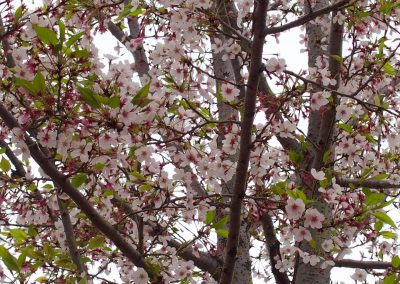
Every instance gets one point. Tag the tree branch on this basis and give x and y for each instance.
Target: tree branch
(70, 237)
(84, 205)
(205, 261)
(378, 184)
(259, 17)
(306, 18)
(19, 168)
(350, 263)
(273, 248)
(6, 46)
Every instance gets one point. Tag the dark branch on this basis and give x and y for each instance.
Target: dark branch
(378, 184)
(306, 18)
(84, 205)
(350, 263)
(273, 248)
(260, 15)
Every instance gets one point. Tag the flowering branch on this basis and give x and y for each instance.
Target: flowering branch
(70, 237)
(378, 184)
(63, 183)
(307, 18)
(260, 15)
(273, 245)
(349, 263)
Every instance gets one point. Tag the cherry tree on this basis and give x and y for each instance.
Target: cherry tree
(199, 156)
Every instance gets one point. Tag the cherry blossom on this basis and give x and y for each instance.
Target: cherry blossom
(313, 218)
(294, 208)
(301, 233)
(138, 157)
(276, 65)
(317, 175)
(359, 275)
(319, 99)
(229, 92)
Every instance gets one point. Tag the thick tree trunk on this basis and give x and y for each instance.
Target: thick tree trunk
(320, 132)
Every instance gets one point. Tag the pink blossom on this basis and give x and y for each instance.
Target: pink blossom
(229, 92)
(294, 209)
(318, 175)
(359, 275)
(276, 65)
(313, 218)
(301, 233)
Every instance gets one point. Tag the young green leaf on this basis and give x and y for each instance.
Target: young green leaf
(384, 218)
(9, 261)
(78, 179)
(5, 165)
(374, 199)
(46, 35)
(89, 96)
(210, 216)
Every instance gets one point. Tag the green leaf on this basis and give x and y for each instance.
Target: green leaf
(78, 179)
(61, 26)
(18, 14)
(5, 165)
(370, 138)
(27, 85)
(89, 96)
(46, 35)
(390, 279)
(81, 53)
(146, 187)
(374, 199)
(210, 216)
(19, 235)
(295, 156)
(48, 186)
(313, 244)
(378, 226)
(377, 100)
(96, 242)
(108, 193)
(345, 127)
(39, 83)
(366, 173)
(49, 250)
(127, 12)
(326, 156)
(389, 69)
(380, 177)
(32, 232)
(222, 232)
(21, 259)
(138, 176)
(396, 261)
(113, 102)
(221, 223)
(9, 261)
(136, 12)
(384, 218)
(279, 188)
(73, 39)
(99, 166)
(337, 58)
(42, 279)
(386, 7)
(388, 235)
(3, 150)
(140, 99)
